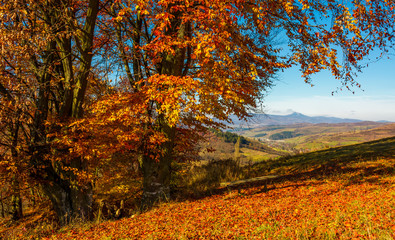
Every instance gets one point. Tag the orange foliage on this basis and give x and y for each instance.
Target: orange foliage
(189, 65)
(196, 62)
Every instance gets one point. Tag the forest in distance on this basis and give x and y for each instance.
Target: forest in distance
(118, 109)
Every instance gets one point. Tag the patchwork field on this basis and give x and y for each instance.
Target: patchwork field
(313, 137)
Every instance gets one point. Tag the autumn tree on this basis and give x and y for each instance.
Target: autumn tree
(191, 64)
(11, 164)
(172, 61)
(46, 62)
(188, 66)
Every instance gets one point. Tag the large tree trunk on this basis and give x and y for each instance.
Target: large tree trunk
(70, 199)
(70, 202)
(61, 200)
(157, 174)
(81, 194)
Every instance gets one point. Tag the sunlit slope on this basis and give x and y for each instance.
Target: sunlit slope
(334, 139)
(330, 160)
(217, 148)
(341, 193)
(312, 137)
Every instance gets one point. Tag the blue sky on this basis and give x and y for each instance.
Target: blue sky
(374, 101)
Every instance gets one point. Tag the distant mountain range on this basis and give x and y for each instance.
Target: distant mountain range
(266, 119)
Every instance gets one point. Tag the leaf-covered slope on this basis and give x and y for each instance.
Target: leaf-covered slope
(340, 193)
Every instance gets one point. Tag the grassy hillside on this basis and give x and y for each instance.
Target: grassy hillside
(335, 139)
(258, 145)
(313, 137)
(339, 193)
(219, 148)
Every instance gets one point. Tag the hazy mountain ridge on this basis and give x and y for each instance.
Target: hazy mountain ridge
(261, 119)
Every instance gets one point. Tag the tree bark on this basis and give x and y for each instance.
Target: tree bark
(60, 197)
(16, 202)
(157, 174)
(70, 198)
(70, 202)
(2, 212)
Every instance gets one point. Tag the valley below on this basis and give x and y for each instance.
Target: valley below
(273, 141)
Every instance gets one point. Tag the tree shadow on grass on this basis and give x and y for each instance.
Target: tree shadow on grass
(384, 148)
(356, 164)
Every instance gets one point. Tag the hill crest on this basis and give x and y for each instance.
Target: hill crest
(261, 119)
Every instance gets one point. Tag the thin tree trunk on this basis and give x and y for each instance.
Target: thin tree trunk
(33, 197)
(2, 205)
(16, 201)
